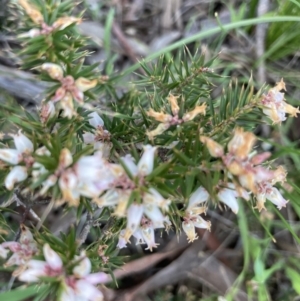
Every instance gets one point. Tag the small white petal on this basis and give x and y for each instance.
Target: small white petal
(228, 197)
(145, 165)
(52, 258)
(198, 197)
(95, 120)
(22, 143)
(16, 175)
(155, 215)
(83, 268)
(96, 278)
(128, 161)
(88, 291)
(155, 198)
(276, 198)
(88, 138)
(3, 252)
(201, 223)
(11, 156)
(122, 241)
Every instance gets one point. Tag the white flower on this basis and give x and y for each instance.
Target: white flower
(134, 216)
(17, 174)
(189, 224)
(199, 196)
(155, 198)
(228, 197)
(24, 147)
(52, 267)
(276, 198)
(145, 165)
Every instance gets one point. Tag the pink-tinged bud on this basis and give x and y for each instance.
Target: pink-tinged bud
(83, 268)
(52, 258)
(192, 114)
(53, 70)
(47, 111)
(77, 95)
(215, 149)
(174, 104)
(241, 143)
(84, 84)
(159, 130)
(134, 216)
(276, 198)
(60, 93)
(128, 161)
(155, 215)
(11, 156)
(95, 120)
(22, 143)
(148, 235)
(260, 158)
(16, 175)
(145, 165)
(159, 116)
(189, 229)
(198, 197)
(228, 197)
(65, 158)
(64, 22)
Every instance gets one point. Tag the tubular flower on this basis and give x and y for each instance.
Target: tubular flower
(274, 105)
(22, 153)
(70, 88)
(22, 250)
(167, 120)
(192, 218)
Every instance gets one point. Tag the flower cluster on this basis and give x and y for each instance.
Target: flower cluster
(70, 88)
(78, 285)
(44, 29)
(246, 167)
(167, 120)
(22, 251)
(274, 105)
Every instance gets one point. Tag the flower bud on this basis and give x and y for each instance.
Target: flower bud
(159, 116)
(159, 130)
(174, 104)
(215, 149)
(145, 165)
(16, 175)
(192, 114)
(84, 84)
(53, 70)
